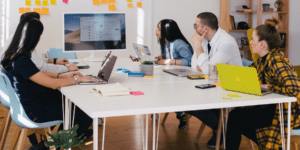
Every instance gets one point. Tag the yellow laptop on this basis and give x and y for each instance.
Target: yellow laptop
(240, 79)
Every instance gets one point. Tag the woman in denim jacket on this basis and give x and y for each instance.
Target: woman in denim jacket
(175, 49)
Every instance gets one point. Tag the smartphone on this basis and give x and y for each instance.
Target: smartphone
(194, 77)
(205, 86)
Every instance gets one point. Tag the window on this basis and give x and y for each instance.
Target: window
(4, 26)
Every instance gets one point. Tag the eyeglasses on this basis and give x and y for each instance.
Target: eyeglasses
(195, 25)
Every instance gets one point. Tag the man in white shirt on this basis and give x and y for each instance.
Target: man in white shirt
(212, 45)
(43, 65)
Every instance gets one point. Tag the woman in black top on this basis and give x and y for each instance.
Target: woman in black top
(37, 90)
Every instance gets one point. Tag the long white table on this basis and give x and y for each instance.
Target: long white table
(163, 93)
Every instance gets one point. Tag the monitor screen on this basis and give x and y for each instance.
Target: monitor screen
(94, 31)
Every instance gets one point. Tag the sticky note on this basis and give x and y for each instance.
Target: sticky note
(111, 1)
(38, 10)
(104, 1)
(28, 2)
(96, 2)
(27, 10)
(217, 84)
(112, 7)
(234, 95)
(130, 5)
(66, 1)
(53, 2)
(129, 0)
(37, 2)
(45, 3)
(139, 4)
(21, 10)
(45, 11)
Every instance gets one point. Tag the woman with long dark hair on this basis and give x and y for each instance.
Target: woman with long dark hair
(175, 49)
(37, 90)
(261, 124)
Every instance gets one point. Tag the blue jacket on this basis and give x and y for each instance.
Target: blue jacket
(178, 49)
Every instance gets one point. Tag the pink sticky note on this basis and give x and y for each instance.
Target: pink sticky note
(66, 1)
(136, 93)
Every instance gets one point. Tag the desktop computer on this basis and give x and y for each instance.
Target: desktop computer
(91, 32)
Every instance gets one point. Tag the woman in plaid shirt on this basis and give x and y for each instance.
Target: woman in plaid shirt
(261, 124)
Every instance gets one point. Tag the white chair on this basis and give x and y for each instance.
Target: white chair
(18, 114)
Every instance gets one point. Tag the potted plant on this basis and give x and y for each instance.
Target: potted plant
(147, 67)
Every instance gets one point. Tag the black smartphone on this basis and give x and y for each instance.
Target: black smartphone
(194, 77)
(205, 86)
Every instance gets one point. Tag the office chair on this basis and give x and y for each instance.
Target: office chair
(58, 53)
(18, 114)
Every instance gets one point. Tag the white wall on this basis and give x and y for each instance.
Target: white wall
(294, 45)
(162, 9)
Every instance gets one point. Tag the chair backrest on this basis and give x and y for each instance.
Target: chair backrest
(17, 111)
(4, 92)
(249, 35)
(58, 53)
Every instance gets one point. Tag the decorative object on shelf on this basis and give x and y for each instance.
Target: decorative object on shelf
(148, 67)
(232, 23)
(278, 4)
(242, 26)
(266, 7)
(245, 8)
(244, 41)
(271, 9)
(282, 37)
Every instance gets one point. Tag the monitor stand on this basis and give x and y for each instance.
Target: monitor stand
(92, 58)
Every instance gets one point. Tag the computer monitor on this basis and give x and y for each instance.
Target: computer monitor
(90, 32)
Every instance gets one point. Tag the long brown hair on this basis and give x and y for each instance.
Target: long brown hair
(269, 33)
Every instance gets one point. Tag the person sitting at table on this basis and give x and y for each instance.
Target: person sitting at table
(175, 49)
(210, 41)
(47, 65)
(261, 124)
(37, 90)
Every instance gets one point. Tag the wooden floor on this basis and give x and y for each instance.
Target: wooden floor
(126, 133)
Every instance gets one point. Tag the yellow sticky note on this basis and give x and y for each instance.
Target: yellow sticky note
(139, 4)
(45, 11)
(217, 84)
(53, 2)
(206, 77)
(130, 5)
(104, 1)
(45, 3)
(111, 1)
(21, 10)
(129, 0)
(27, 10)
(234, 95)
(38, 10)
(37, 2)
(96, 2)
(28, 2)
(112, 7)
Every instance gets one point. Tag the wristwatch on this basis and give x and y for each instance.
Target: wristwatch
(75, 78)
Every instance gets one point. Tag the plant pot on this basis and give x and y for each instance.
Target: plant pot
(148, 69)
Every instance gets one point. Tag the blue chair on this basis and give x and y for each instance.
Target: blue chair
(58, 53)
(18, 114)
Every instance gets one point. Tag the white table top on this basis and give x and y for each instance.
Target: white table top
(163, 93)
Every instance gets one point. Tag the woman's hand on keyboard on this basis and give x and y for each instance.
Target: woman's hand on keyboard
(70, 74)
(86, 79)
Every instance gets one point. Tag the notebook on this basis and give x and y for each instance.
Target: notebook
(182, 72)
(240, 79)
(112, 90)
(105, 69)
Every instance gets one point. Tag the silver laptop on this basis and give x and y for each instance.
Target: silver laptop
(182, 72)
(80, 64)
(105, 69)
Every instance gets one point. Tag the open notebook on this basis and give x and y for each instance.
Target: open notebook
(112, 90)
